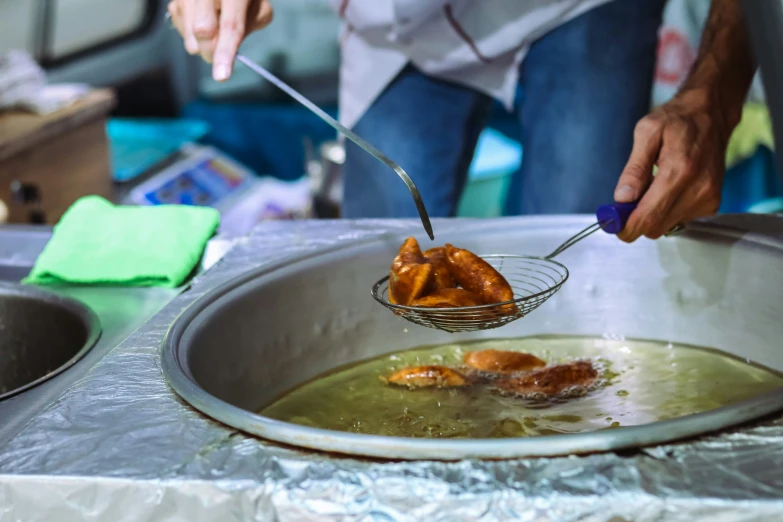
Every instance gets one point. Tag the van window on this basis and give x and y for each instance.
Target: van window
(76, 27)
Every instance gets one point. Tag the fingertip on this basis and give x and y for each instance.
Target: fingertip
(191, 45)
(629, 234)
(221, 72)
(625, 235)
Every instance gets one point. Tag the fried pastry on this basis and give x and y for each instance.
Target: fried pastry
(550, 381)
(410, 276)
(427, 376)
(476, 275)
(411, 246)
(447, 298)
(442, 275)
(502, 361)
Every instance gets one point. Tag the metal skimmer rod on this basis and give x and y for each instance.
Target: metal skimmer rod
(425, 220)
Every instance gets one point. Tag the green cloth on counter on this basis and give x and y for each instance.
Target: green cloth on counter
(98, 243)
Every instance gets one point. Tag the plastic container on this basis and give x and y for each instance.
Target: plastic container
(268, 139)
(497, 158)
(138, 145)
(768, 206)
(751, 182)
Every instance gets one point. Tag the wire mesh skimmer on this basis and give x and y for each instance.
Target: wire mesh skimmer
(533, 279)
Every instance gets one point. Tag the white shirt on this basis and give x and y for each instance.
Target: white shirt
(477, 43)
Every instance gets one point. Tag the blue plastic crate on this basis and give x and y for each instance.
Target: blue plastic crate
(138, 145)
(496, 159)
(268, 139)
(750, 182)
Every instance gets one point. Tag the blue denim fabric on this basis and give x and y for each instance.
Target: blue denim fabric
(583, 87)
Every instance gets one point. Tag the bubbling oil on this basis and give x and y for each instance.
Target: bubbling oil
(639, 382)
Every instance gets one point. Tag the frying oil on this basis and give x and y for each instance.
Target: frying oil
(639, 382)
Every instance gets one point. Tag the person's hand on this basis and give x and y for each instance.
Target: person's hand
(215, 28)
(687, 139)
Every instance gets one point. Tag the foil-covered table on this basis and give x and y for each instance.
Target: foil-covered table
(120, 445)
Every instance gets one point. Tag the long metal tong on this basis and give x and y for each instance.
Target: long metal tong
(425, 220)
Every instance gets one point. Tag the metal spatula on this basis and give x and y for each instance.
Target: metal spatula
(425, 220)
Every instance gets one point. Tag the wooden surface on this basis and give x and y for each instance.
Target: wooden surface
(64, 154)
(21, 131)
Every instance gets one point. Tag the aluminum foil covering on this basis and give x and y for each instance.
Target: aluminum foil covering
(120, 446)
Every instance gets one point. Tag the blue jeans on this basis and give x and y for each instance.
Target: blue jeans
(584, 86)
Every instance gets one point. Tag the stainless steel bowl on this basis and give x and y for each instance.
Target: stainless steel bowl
(41, 335)
(717, 285)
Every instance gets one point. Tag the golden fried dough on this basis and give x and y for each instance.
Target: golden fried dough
(410, 276)
(476, 275)
(427, 376)
(502, 361)
(550, 381)
(411, 246)
(443, 278)
(447, 298)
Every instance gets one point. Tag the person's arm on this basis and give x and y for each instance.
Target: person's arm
(215, 28)
(687, 137)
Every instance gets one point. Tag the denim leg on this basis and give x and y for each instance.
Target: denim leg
(584, 87)
(430, 127)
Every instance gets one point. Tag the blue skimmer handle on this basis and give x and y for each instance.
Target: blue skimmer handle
(612, 218)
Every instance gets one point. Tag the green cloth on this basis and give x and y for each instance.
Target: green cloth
(98, 243)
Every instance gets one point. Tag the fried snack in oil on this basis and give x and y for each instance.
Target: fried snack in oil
(476, 275)
(410, 276)
(447, 298)
(443, 278)
(550, 381)
(502, 361)
(427, 376)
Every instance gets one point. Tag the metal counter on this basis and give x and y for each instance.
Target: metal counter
(120, 445)
(119, 310)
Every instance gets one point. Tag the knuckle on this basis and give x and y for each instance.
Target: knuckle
(267, 16)
(687, 166)
(205, 28)
(232, 25)
(681, 125)
(666, 175)
(646, 226)
(645, 127)
(675, 131)
(634, 171)
(649, 224)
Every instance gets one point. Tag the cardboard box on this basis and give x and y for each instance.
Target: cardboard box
(60, 156)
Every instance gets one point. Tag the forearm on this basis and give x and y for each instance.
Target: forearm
(724, 69)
